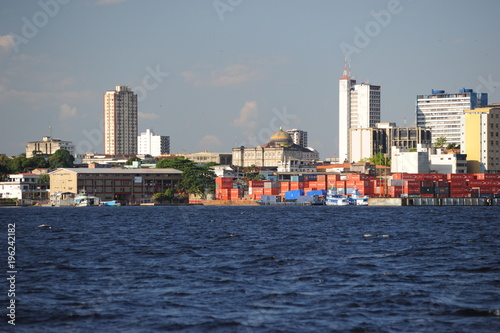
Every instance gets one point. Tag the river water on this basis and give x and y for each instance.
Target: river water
(253, 269)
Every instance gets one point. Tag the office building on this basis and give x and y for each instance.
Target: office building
(48, 146)
(359, 107)
(149, 143)
(442, 113)
(480, 129)
(120, 122)
(299, 137)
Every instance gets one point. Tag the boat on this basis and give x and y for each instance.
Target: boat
(85, 200)
(111, 203)
(357, 199)
(335, 199)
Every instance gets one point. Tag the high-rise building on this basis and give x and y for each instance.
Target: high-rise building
(359, 107)
(150, 144)
(299, 137)
(120, 121)
(442, 113)
(480, 141)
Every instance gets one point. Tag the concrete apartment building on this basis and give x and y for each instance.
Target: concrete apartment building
(359, 107)
(120, 121)
(149, 143)
(299, 137)
(130, 185)
(480, 139)
(48, 146)
(24, 186)
(442, 112)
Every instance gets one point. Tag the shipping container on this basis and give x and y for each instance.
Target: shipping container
(321, 178)
(487, 176)
(332, 178)
(455, 176)
(296, 178)
(293, 194)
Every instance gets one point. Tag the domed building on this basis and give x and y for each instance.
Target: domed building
(279, 151)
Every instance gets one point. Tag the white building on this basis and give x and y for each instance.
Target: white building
(24, 186)
(359, 107)
(150, 144)
(442, 113)
(402, 160)
(441, 162)
(120, 121)
(48, 146)
(299, 137)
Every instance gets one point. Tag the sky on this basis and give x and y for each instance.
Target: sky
(218, 74)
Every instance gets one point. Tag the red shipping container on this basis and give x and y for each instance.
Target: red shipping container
(332, 178)
(490, 176)
(466, 176)
(427, 195)
(321, 185)
(256, 183)
(271, 191)
(350, 183)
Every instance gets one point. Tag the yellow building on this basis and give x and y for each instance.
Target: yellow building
(480, 135)
(128, 185)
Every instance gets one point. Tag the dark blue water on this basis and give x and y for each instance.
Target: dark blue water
(254, 269)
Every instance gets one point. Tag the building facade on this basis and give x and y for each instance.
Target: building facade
(299, 137)
(480, 140)
(278, 151)
(149, 143)
(48, 146)
(24, 186)
(359, 107)
(366, 142)
(120, 121)
(130, 185)
(442, 113)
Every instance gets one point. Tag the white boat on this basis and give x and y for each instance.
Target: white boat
(85, 200)
(358, 200)
(335, 199)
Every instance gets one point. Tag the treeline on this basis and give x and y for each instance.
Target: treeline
(20, 164)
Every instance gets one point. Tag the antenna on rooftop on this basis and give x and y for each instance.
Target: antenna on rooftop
(50, 131)
(346, 73)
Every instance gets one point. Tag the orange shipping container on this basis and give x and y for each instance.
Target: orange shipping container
(321, 178)
(332, 178)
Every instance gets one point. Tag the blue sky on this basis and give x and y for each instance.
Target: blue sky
(214, 75)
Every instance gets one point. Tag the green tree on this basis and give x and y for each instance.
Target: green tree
(132, 159)
(198, 180)
(440, 142)
(44, 178)
(61, 159)
(380, 159)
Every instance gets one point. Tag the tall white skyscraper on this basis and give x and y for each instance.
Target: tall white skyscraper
(299, 137)
(150, 144)
(359, 107)
(120, 121)
(443, 113)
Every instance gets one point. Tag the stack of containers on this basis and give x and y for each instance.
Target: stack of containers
(459, 184)
(331, 180)
(270, 188)
(411, 187)
(296, 183)
(427, 189)
(256, 189)
(223, 187)
(442, 188)
(284, 187)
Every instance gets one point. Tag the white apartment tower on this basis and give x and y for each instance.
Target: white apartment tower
(120, 121)
(443, 113)
(299, 137)
(359, 107)
(150, 144)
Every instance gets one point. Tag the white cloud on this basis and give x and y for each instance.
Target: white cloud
(210, 141)
(67, 112)
(6, 43)
(247, 117)
(231, 75)
(150, 116)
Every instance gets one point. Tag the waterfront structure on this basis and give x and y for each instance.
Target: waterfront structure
(127, 185)
(366, 142)
(299, 137)
(120, 121)
(149, 143)
(359, 107)
(24, 186)
(48, 146)
(442, 112)
(480, 139)
(280, 149)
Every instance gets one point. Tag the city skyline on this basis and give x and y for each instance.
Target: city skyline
(214, 75)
